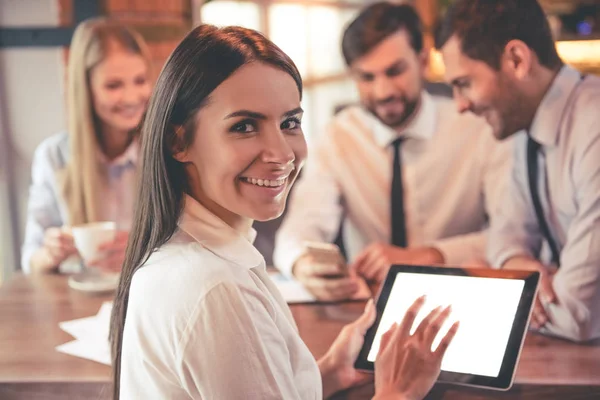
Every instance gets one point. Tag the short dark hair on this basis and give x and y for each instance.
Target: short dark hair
(486, 26)
(376, 23)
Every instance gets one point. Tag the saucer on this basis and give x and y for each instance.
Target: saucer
(94, 283)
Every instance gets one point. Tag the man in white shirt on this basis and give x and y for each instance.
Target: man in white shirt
(421, 199)
(502, 62)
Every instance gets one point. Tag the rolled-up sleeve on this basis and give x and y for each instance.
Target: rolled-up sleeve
(42, 207)
(514, 228)
(461, 249)
(577, 282)
(496, 163)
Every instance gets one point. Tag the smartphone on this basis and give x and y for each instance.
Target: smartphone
(327, 253)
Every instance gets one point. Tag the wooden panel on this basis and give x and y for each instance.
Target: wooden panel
(65, 12)
(162, 23)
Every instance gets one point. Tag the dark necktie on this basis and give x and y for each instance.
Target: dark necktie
(532, 172)
(397, 199)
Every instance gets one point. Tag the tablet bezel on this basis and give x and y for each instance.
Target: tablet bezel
(517, 335)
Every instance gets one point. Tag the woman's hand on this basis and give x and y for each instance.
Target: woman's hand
(57, 246)
(114, 254)
(337, 366)
(406, 368)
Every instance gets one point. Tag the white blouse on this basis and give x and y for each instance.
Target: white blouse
(204, 321)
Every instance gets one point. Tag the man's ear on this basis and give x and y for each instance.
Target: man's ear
(177, 144)
(517, 58)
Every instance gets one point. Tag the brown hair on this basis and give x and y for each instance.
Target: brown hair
(375, 24)
(82, 179)
(486, 26)
(205, 58)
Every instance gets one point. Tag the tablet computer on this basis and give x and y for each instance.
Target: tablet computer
(492, 306)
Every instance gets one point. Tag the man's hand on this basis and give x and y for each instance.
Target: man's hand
(324, 280)
(546, 293)
(375, 261)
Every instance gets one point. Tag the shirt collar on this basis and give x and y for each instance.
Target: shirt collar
(129, 156)
(545, 125)
(421, 127)
(218, 237)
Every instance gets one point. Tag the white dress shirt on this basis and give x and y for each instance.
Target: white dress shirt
(567, 125)
(453, 173)
(204, 321)
(46, 207)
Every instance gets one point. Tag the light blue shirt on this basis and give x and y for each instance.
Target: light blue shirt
(567, 125)
(46, 208)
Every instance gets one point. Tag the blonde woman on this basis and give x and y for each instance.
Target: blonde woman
(88, 173)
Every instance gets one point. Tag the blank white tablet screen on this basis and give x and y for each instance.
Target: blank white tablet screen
(485, 307)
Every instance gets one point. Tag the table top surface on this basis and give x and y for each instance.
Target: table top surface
(32, 306)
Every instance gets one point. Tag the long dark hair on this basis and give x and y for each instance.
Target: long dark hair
(201, 62)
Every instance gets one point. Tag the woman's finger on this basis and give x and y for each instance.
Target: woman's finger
(446, 340)
(432, 330)
(365, 321)
(409, 319)
(387, 337)
(422, 328)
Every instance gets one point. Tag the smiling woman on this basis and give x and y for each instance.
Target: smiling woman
(221, 147)
(251, 145)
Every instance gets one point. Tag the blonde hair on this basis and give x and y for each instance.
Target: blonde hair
(82, 178)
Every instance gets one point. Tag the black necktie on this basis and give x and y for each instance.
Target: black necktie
(532, 172)
(397, 200)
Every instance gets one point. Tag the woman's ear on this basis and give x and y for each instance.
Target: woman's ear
(177, 144)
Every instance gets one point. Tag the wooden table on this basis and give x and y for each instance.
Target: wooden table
(30, 368)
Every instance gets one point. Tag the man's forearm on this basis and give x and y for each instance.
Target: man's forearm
(520, 262)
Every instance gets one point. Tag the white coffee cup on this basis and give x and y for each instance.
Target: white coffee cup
(89, 237)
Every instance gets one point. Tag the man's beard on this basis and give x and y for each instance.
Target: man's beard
(515, 111)
(395, 121)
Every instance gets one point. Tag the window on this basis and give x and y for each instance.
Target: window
(311, 35)
(310, 32)
(324, 51)
(289, 30)
(321, 102)
(241, 13)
